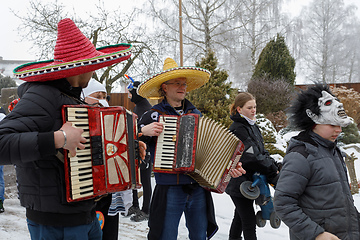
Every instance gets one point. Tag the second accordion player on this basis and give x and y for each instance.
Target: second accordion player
(198, 146)
(109, 161)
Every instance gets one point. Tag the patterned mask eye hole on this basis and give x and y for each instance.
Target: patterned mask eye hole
(328, 102)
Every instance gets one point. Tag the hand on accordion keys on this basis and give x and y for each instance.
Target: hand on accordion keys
(238, 171)
(69, 137)
(152, 129)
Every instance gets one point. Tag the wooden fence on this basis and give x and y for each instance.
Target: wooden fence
(355, 86)
(121, 99)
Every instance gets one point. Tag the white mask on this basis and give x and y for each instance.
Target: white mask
(331, 111)
(103, 102)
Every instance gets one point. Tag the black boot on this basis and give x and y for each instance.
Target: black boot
(1, 207)
(140, 216)
(230, 238)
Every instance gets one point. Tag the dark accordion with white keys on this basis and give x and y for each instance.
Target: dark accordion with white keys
(198, 146)
(109, 161)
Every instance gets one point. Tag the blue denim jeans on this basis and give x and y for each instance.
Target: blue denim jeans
(2, 184)
(194, 207)
(90, 231)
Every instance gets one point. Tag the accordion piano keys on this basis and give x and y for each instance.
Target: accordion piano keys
(80, 165)
(165, 147)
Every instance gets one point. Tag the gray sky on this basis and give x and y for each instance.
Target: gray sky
(14, 49)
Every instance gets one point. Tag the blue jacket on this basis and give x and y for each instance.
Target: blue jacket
(164, 108)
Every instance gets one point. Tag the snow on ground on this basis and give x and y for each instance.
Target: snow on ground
(13, 222)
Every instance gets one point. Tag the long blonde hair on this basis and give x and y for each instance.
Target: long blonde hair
(240, 100)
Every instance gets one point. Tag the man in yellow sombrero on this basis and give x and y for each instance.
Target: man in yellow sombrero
(33, 134)
(175, 194)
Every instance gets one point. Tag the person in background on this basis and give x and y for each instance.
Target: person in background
(111, 204)
(13, 104)
(175, 194)
(141, 106)
(2, 181)
(312, 195)
(33, 136)
(255, 158)
(95, 94)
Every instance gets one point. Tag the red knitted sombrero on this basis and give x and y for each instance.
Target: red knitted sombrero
(74, 54)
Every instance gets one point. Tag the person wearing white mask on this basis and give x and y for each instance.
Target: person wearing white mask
(312, 196)
(95, 93)
(112, 204)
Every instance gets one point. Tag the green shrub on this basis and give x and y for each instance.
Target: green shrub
(350, 134)
(271, 96)
(214, 98)
(276, 61)
(278, 119)
(273, 150)
(269, 135)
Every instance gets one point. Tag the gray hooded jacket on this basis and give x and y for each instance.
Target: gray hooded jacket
(312, 194)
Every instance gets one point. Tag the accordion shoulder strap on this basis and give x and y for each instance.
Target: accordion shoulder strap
(161, 112)
(164, 113)
(79, 101)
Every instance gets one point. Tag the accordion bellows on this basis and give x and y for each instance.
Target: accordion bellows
(198, 146)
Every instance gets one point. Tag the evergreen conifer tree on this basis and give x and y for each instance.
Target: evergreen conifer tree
(6, 82)
(350, 134)
(214, 98)
(275, 62)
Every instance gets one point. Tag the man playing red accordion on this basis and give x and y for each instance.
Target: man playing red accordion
(33, 134)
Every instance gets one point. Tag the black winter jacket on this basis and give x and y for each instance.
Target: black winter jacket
(141, 107)
(27, 141)
(313, 193)
(255, 157)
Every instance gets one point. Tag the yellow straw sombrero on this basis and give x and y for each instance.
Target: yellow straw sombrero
(195, 78)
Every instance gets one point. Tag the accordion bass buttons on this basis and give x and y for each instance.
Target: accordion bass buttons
(96, 150)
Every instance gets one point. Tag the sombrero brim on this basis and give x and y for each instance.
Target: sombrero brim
(51, 69)
(195, 78)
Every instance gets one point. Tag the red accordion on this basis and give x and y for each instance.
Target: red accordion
(108, 163)
(199, 147)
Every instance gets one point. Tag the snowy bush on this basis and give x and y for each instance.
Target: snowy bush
(273, 141)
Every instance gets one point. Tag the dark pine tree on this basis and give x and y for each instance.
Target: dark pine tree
(214, 98)
(6, 82)
(273, 79)
(275, 62)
